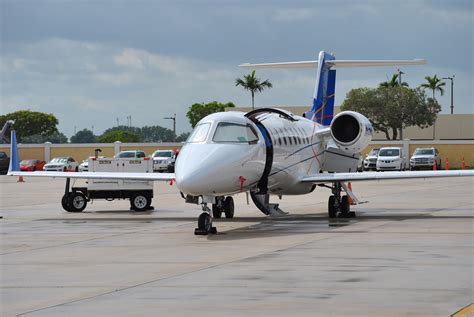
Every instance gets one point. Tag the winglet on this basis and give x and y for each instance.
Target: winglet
(14, 158)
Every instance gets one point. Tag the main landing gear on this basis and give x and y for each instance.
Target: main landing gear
(338, 205)
(222, 205)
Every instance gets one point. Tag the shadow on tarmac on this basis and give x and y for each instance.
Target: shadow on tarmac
(264, 226)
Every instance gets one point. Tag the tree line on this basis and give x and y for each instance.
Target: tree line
(393, 106)
(390, 107)
(40, 127)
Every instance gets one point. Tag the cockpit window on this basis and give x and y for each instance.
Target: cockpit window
(200, 133)
(235, 133)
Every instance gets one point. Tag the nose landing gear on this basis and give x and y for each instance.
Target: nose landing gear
(205, 222)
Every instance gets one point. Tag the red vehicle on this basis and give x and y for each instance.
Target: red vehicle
(31, 165)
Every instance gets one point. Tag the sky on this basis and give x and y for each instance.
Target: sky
(91, 62)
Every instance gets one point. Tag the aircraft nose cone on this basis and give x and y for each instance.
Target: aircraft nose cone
(194, 171)
(207, 169)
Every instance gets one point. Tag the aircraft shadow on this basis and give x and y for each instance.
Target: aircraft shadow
(310, 224)
(264, 226)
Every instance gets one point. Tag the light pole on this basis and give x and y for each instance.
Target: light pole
(400, 85)
(174, 125)
(452, 86)
(400, 73)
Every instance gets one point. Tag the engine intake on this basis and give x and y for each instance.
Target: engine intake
(351, 131)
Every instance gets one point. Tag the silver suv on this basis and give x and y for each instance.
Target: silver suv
(425, 157)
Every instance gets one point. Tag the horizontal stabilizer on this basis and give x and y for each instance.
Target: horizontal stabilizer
(303, 64)
(336, 64)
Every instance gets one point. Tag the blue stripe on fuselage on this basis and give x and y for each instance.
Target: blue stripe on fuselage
(265, 135)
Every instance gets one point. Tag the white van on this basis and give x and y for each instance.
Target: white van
(391, 158)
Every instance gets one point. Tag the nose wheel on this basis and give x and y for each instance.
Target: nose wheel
(205, 222)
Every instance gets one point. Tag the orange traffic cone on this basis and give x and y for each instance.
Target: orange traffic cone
(349, 196)
(446, 165)
(20, 179)
(463, 164)
(434, 166)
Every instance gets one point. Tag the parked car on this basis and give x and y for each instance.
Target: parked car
(4, 162)
(31, 165)
(370, 161)
(425, 158)
(162, 159)
(84, 166)
(62, 164)
(131, 154)
(391, 158)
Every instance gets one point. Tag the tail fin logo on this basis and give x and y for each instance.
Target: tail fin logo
(322, 110)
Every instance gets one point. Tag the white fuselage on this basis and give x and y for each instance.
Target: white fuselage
(210, 168)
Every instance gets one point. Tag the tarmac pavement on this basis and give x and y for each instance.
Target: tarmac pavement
(409, 252)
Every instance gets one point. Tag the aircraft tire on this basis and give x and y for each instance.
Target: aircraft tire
(216, 211)
(345, 206)
(205, 222)
(332, 212)
(229, 207)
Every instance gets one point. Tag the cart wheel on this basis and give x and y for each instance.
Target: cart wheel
(65, 203)
(140, 202)
(77, 201)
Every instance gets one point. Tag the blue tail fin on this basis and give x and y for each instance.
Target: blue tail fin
(14, 158)
(322, 110)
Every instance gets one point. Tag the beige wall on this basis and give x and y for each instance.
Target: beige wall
(81, 153)
(448, 126)
(454, 151)
(31, 153)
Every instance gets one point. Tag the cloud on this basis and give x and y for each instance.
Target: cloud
(129, 58)
(292, 15)
(90, 78)
(156, 58)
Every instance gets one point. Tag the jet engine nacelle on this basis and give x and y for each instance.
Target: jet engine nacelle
(351, 131)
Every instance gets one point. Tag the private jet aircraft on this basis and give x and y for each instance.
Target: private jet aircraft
(267, 152)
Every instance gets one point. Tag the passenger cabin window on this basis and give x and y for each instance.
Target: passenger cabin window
(200, 133)
(227, 132)
(276, 136)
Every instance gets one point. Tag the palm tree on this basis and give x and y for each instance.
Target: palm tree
(393, 82)
(435, 84)
(252, 84)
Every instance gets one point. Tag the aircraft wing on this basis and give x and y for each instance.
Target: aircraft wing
(99, 175)
(375, 176)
